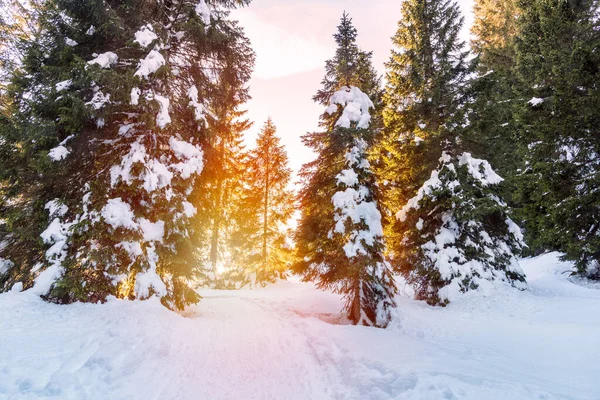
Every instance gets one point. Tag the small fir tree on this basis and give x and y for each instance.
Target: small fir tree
(457, 233)
(340, 237)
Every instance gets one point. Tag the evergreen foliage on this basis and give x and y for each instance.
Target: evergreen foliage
(558, 69)
(265, 210)
(492, 134)
(457, 232)
(110, 118)
(339, 237)
(424, 96)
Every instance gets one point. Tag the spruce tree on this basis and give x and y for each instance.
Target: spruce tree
(558, 67)
(267, 206)
(452, 233)
(111, 114)
(424, 96)
(340, 236)
(458, 235)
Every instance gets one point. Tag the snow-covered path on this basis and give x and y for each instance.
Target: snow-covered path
(288, 341)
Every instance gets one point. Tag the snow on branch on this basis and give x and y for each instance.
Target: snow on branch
(105, 60)
(356, 106)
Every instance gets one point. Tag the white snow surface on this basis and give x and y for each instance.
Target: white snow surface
(480, 169)
(58, 153)
(135, 96)
(117, 214)
(163, 118)
(98, 100)
(60, 86)
(195, 104)
(70, 42)
(536, 101)
(288, 341)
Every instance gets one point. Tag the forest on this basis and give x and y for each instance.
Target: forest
(149, 249)
(124, 172)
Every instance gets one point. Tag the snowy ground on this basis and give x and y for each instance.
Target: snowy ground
(288, 342)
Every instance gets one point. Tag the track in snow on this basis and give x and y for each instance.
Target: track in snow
(288, 341)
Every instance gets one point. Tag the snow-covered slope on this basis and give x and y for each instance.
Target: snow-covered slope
(288, 342)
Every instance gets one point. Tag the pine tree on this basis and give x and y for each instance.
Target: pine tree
(558, 67)
(457, 232)
(111, 112)
(424, 96)
(267, 206)
(340, 236)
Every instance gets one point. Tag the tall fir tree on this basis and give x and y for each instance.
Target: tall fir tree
(424, 95)
(452, 233)
(558, 67)
(110, 110)
(267, 207)
(340, 236)
(218, 195)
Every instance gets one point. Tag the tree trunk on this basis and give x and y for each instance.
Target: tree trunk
(217, 214)
(266, 214)
(355, 308)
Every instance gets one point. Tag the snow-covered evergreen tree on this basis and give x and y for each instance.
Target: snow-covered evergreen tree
(267, 206)
(435, 241)
(115, 95)
(458, 235)
(340, 236)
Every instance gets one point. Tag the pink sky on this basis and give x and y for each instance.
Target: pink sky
(292, 40)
